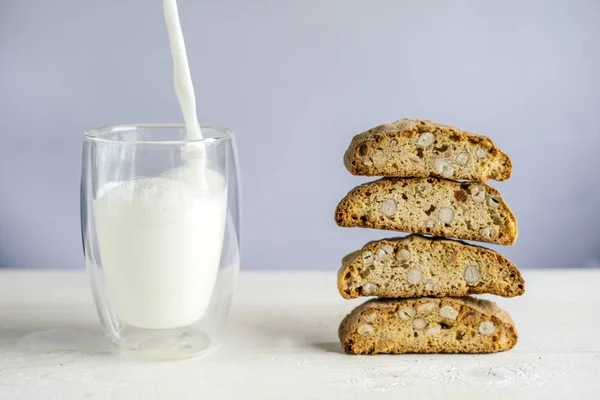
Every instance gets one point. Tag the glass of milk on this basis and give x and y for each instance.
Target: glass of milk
(160, 217)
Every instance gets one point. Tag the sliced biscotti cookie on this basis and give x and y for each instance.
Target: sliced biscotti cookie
(417, 266)
(427, 325)
(440, 207)
(423, 148)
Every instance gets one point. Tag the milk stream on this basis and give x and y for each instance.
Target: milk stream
(196, 154)
(181, 70)
(160, 238)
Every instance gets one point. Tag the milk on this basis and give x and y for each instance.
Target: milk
(160, 238)
(160, 242)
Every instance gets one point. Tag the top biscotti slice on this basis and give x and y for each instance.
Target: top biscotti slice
(417, 148)
(439, 207)
(426, 325)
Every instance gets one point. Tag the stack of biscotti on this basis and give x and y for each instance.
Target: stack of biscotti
(433, 184)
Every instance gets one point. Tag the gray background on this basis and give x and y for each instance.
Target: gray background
(296, 79)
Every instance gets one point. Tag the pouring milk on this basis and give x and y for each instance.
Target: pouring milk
(160, 238)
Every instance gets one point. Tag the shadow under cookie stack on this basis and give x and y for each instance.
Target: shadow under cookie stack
(433, 184)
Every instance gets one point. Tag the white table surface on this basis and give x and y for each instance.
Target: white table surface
(282, 344)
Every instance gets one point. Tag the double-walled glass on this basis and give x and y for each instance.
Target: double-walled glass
(160, 221)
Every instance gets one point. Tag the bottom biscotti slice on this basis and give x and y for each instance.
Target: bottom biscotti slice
(427, 325)
(415, 266)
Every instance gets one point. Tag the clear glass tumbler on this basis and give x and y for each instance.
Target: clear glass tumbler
(160, 222)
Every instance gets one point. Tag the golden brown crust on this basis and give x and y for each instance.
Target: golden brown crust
(415, 266)
(427, 325)
(400, 149)
(440, 207)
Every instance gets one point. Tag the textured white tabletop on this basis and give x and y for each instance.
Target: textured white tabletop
(282, 344)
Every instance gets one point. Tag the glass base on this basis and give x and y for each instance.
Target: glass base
(166, 344)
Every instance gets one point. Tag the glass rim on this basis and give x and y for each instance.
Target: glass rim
(96, 134)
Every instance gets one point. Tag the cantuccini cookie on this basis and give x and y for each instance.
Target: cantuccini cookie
(427, 325)
(416, 266)
(417, 148)
(435, 206)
